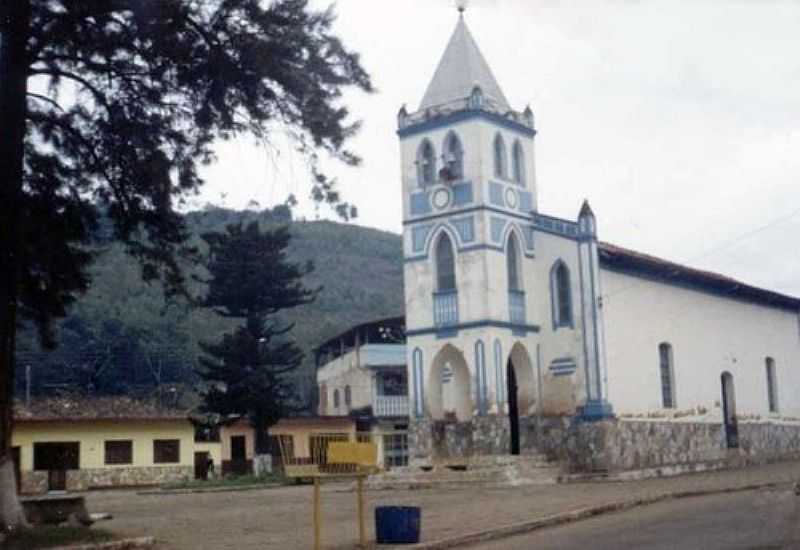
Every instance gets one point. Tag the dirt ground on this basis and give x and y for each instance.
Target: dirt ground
(280, 518)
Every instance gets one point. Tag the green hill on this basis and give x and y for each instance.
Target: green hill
(123, 338)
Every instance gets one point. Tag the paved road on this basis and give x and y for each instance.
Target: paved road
(753, 520)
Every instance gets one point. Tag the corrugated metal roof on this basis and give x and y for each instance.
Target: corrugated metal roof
(461, 68)
(95, 408)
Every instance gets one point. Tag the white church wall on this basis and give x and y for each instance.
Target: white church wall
(709, 334)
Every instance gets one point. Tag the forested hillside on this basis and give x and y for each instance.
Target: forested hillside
(122, 337)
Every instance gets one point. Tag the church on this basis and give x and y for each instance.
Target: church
(526, 333)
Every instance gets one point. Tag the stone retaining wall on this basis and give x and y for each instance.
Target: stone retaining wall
(35, 482)
(619, 445)
(605, 446)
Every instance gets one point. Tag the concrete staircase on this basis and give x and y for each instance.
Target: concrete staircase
(530, 469)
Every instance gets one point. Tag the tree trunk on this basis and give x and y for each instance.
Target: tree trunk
(14, 28)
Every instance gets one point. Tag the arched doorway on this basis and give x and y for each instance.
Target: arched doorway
(520, 392)
(729, 411)
(449, 386)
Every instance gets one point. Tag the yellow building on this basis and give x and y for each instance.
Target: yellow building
(69, 444)
(299, 436)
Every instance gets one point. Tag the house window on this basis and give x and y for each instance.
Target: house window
(336, 399)
(561, 295)
(426, 164)
(348, 398)
(395, 450)
(445, 264)
(119, 452)
(667, 375)
(518, 164)
(166, 451)
(500, 157)
(772, 385)
(323, 398)
(453, 157)
(512, 263)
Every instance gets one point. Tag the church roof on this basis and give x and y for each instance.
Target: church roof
(460, 69)
(623, 259)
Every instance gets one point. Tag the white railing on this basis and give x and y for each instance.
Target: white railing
(391, 405)
(445, 308)
(516, 307)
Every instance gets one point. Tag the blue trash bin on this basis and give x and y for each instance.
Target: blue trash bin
(397, 524)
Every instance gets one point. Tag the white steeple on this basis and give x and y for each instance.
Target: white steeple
(460, 70)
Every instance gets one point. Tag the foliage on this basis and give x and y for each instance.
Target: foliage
(112, 106)
(246, 371)
(358, 268)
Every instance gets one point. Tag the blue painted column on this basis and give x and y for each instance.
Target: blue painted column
(597, 406)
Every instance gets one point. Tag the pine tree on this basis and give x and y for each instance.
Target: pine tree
(112, 105)
(248, 370)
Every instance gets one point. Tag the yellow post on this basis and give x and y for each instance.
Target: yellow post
(362, 529)
(317, 516)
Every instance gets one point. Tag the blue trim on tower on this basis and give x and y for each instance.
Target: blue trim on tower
(452, 330)
(461, 116)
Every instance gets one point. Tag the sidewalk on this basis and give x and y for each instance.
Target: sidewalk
(281, 517)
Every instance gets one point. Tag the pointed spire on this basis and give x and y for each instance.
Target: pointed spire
(586, 210)
(460, 70)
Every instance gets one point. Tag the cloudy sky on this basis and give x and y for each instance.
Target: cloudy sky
(679, 120)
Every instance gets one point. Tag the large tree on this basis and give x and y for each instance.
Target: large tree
(113, 104)
(247, 371)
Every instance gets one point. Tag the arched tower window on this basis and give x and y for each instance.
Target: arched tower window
(445, 264)
(336, 399)
(561, 295)
(453, 157)
(426, 163)
(512, 263)
(500, 160)
(518, 163)
(772, 385)
(667, 373)
(348, 397)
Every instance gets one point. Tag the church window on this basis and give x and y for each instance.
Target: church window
(561, 295)
(336, 399)
(445, 264)
(667, 372)
(518, 164)
(482, 393)
(453, 157)
(772, 385)
(348, 397)
(426, 164)
(500, 160)
(512, 263)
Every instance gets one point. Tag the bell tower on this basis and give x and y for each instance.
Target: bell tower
(469, 194)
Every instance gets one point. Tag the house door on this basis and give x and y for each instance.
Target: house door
(513, 406)
(729, 411)
(238, 448)
(201, 465)
(56, 459)
(15, 456)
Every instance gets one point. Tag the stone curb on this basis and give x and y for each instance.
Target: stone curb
(219, 489)
(122, 544)
(568, 517)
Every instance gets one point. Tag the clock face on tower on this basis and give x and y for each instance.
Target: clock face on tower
(441, 198)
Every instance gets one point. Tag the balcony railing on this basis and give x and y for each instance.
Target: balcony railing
(445, 308)
(391, 405)
(516, 307)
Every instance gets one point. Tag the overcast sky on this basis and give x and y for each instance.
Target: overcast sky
(678, 120)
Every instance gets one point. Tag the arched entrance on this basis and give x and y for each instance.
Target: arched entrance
(520, 391)
(449, 386)
(729, 411)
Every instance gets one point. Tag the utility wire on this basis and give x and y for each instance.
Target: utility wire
(714, 250)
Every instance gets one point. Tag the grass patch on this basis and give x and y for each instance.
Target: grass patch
(48, 536)
(232, 481)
